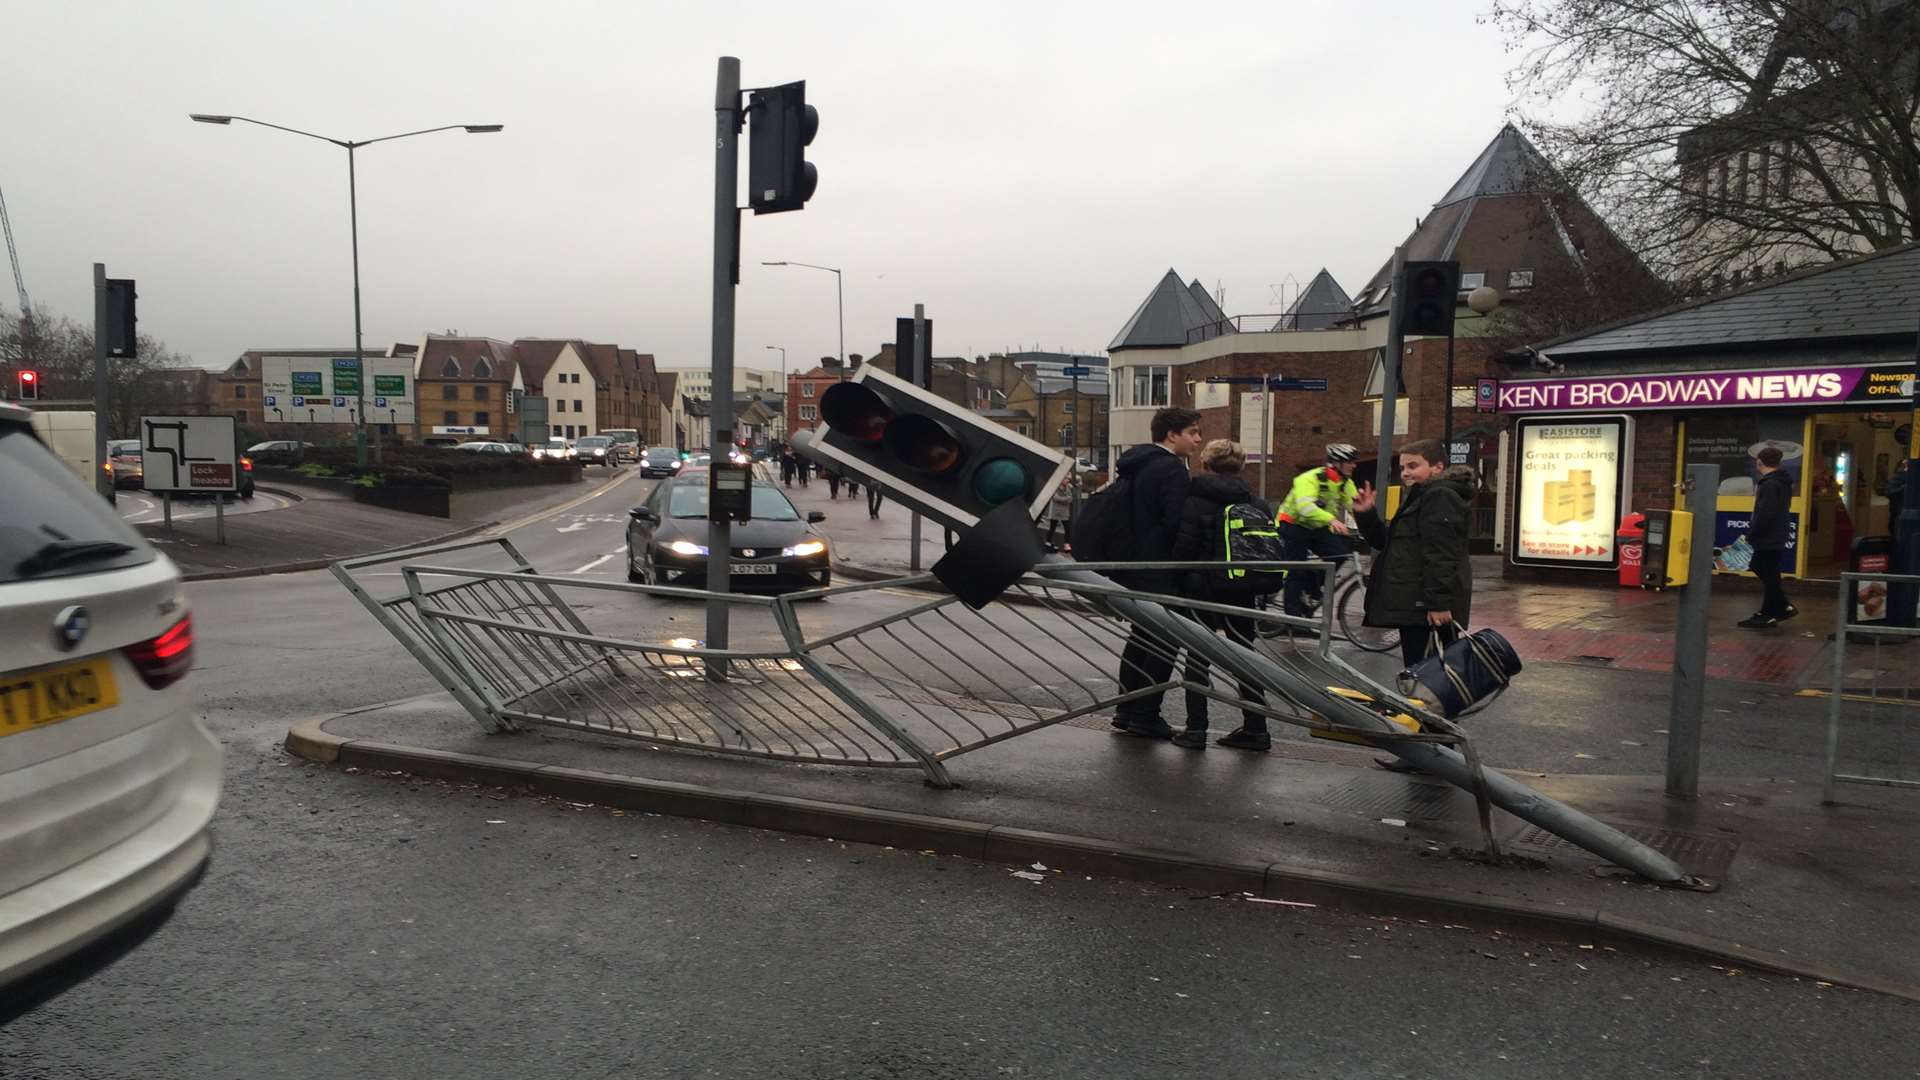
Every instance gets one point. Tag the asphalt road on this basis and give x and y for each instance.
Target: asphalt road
(141, 508)
(358, 925)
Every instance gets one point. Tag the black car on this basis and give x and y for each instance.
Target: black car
(660, 461)
(778, 551)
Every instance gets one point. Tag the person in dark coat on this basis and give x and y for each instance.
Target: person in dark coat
(787, 467)
(1202, 538)
(1421, 581)
(1157, 474)
(1767, 532)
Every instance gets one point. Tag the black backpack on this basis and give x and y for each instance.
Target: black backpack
(1248, 534)
(1103, 531)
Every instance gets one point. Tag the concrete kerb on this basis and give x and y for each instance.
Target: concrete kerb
(1580, 927)
(317, 564)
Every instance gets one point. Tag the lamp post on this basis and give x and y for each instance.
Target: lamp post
(840, 301)
(785, 428)
(353, 224)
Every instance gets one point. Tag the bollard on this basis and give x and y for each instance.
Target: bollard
(1690, 639)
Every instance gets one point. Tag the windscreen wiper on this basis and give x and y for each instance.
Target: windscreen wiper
(61, 553)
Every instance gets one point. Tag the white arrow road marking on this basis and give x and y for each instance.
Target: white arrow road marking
(575, 527)
(595, 563)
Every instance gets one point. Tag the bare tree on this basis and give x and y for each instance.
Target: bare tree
(61, 350)
(1729, 135)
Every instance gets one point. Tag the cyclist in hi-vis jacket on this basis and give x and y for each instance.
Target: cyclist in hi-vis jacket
(1313, 521)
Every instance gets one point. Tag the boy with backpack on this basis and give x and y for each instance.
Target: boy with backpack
(1224, 521)
(1134, 519)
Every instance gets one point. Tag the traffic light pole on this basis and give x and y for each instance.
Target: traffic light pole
(726, 247)
(1906, 531)
(102, 389)
(1383, 470)
(919, 378)
(1073, 478)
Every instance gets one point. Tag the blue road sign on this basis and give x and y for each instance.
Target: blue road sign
(271, 400)
(339, 403)
(379, 403)
(1076, 372)
(1298, 384)
(299, 402)
(1236, 380)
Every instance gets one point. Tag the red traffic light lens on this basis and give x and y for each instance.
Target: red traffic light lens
(855, 411)
(1429, 282)
(28, 376)
(924, 443)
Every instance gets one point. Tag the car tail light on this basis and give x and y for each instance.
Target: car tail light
(246, 464)
(164, 660)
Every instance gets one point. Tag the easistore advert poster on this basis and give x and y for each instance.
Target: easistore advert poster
(1571, 486)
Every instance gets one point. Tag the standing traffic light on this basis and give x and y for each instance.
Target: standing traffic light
(781, 124)
(29, 386)
(1433, 291)
(939, 459)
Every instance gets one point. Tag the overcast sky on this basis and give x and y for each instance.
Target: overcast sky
(1028, 171)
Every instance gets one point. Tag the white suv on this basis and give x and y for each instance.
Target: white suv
(107, 778)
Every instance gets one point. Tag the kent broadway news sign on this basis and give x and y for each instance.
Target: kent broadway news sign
(1890, 385)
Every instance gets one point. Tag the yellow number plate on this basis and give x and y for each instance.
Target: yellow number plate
(38, 698)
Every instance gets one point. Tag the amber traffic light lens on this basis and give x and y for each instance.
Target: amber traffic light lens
(923, 443)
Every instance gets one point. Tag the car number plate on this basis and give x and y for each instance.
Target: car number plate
(754, 568)
(38, 698)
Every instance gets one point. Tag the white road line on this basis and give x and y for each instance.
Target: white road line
(595, 563)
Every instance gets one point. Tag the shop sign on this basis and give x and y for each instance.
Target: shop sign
(1572, 482)
(1888, 384)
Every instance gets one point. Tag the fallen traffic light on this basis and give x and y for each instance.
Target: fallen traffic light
(939, 459)
(1433, 291)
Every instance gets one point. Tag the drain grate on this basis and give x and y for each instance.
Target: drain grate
(1398, 797)
(1594, 661)
(1705, 856)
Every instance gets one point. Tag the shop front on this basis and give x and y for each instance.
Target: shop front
(1591, 449)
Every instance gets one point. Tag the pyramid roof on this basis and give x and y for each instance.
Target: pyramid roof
(1322, 304)
(1164, 317)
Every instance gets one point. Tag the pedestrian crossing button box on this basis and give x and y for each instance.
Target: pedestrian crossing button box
(1669, 549)
(729, 491)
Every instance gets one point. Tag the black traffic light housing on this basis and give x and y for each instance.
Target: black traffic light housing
(1433, 292)
(780, 124)
(940, 459)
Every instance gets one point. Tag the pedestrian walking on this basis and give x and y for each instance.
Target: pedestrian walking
(1313, 523)
(787, 467)
(1767, 532)
(1156, 475)
(1421, 581)
(1896, 493)
(1217, 497)
(873, 502)
(833, 484)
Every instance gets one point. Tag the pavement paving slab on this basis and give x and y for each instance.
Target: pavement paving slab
(1825, 890)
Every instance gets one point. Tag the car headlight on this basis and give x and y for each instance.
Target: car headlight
(805, 547)
(677, 464)
(687, 547)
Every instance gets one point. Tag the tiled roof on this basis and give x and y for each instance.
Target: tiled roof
(537, 356)
(466, 351)
(1164, 317)
(1874, 296)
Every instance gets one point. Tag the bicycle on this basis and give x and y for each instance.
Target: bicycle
(1349, 591)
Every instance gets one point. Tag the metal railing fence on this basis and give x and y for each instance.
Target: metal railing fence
(1873, 711)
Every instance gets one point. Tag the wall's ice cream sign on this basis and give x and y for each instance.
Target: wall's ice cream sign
(1891, 384)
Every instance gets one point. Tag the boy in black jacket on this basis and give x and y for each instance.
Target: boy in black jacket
(1421, 580)
(1158, 475)
(1767, 532)
(1202, 537)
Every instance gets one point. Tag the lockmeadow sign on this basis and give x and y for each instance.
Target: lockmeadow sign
(1890, 385)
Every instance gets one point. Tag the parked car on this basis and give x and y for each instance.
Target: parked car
(701, 458)
(123, 456)
(778, 551)
(555, 447)
(595, 450)
(108, 779)
(279, 446)
(482, 446)
(660, 461)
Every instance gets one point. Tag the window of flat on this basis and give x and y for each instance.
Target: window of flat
(480, 393)
(480, 418)
(450, 391)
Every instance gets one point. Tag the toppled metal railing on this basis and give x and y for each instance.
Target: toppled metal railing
(923, 681)
(1873, 717)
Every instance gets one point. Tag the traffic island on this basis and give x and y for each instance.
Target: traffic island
(1808, 892)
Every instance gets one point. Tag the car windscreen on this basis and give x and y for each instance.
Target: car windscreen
(592, 441)
(663, 456)
(51, 523)
(690, 501)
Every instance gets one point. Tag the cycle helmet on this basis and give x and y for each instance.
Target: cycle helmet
(1340, 452)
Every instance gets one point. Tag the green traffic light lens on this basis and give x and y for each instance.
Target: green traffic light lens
(999, 480)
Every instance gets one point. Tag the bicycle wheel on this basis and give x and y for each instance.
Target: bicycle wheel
(1352, 612)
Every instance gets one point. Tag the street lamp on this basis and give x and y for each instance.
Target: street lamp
(783, 389)
(353, 220)
(840, 299)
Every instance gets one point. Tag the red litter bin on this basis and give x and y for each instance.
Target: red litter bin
(1632, 539)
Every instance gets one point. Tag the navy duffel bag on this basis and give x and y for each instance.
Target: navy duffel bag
(1467, 674)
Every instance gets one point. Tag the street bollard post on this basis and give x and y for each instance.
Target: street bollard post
(1690, 639)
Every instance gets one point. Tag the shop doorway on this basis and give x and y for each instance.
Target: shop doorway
(1850, 457)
